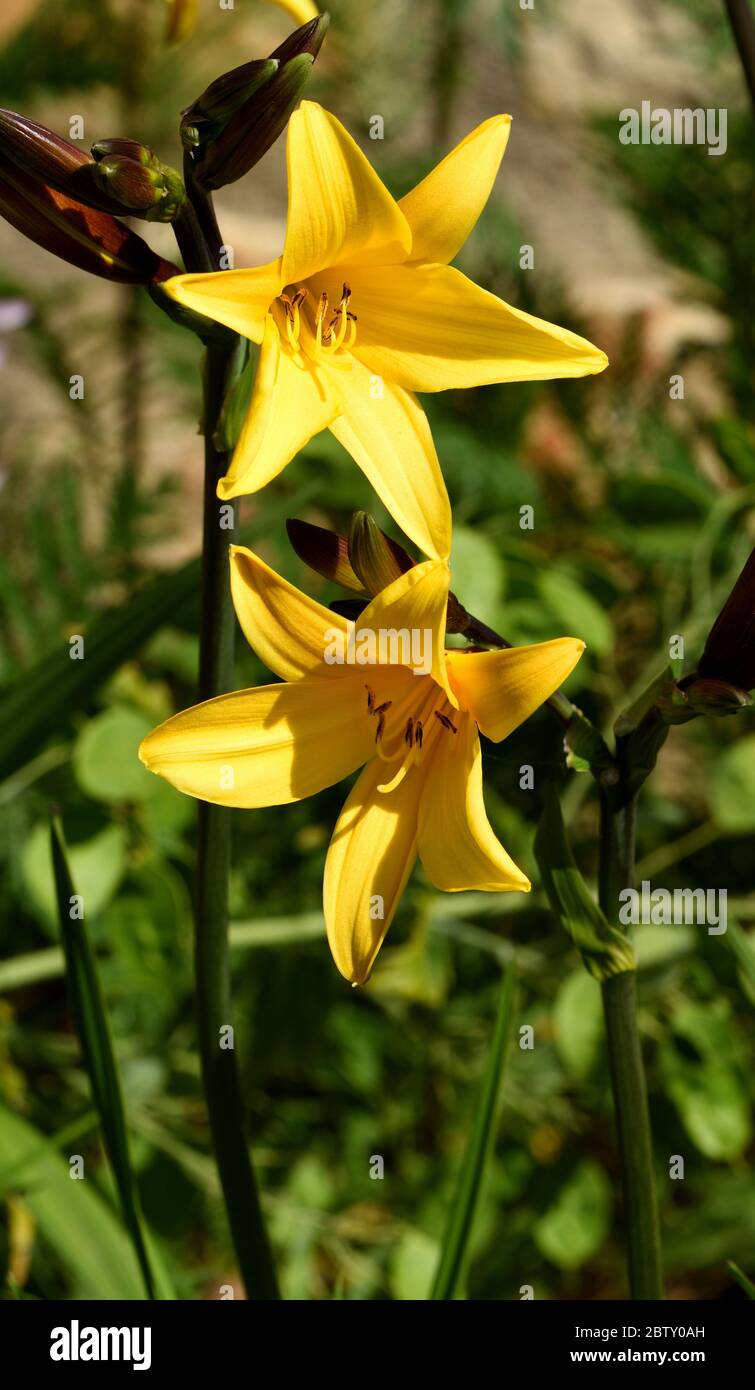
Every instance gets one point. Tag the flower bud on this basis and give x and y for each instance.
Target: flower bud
(324, 551)
(241, 114)
(729, 653)
(148, 189)
(84, 236)
(375, 558)
(708, 696)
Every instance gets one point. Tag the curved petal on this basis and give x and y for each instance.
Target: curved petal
(371, 855)
(413, 608)
(429, 328)
(265, 747)
(290, 632)
(238, 298)
(445, 206)
(386, 432)
(300, 10)
(289, 405)
(338, 209)
(501, 689)
(457, 844)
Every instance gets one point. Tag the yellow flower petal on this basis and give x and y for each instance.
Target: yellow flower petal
(289, 631)
(265, 747)
(289, 405)
(238, 298)
(338, 209)
(501, 689)
(444, 207)
(390, 439)
(429, 328)
(457, 844)
(415, 604)
(301, 11)
(371, 855)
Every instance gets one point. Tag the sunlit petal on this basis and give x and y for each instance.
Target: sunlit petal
(289, 631)
(429, 328)
(338, 209)
(238, 298)
(503, 688)
(291, 402)
(371, 855)
(415, 605)
(444, 207)
(457, 844)
(386, 432)
(265, 747)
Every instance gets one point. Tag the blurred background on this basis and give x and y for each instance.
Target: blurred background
(644, 514)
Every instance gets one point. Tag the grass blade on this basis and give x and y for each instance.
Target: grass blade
(93, 1029)
(452, 1264)
(745, 1284)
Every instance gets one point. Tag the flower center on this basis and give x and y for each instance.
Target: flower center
(319, 333)
(408, 733)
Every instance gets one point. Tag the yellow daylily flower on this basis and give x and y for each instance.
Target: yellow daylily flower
(383, 693)
(363, 309)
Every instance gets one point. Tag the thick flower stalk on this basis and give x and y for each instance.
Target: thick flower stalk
(362, 310)
(384, 693)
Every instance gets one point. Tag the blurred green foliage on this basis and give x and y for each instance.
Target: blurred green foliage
(643, 516)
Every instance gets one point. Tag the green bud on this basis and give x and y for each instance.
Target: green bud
(150, 190)
(375, 558)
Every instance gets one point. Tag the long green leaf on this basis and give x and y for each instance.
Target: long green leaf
(745, 1284)
(42, 699)
(94, 1034)
(72, 1217)
(453, 1257)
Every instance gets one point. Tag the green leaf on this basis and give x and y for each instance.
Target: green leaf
(478, 573)
(93, 1028)
(575, 1226)
(44, 697)
(106, 757)
(578, 1023)
(733, 787)
(413, 1263)
(605, 951)
(73, 1219)
(702, 1077)
(745, 1284)
(579, 613)
(452, 1263)
(98, 865)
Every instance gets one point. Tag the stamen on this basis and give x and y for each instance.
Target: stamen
(380, 727)
(409, 735)
(322, 310)
(445, 721)
(370, 699)
(419, 733)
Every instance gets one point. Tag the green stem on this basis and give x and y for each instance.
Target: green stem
(219, 1070)
(617, 839)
